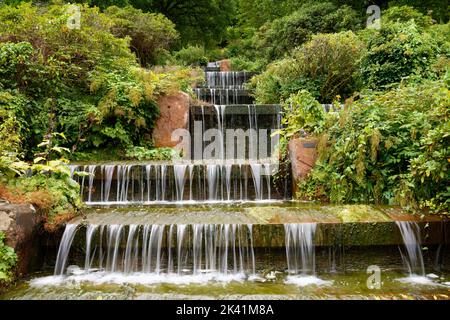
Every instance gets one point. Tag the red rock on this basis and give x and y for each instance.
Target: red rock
(225, 65)
(174, 114)
(303, 155)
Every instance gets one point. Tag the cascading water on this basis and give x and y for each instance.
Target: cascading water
(413, 259)
(161, 253)
(179, 183)
(300, 254)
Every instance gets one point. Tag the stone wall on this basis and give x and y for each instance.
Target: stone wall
(20, 224)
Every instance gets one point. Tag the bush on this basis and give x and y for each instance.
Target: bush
(191, 56)
(396, 52)
(243, 64)
(277, 38)
(83, 82)
(404, 14)
(390, 148)
(150, 33)
(8, 260)
(302, 116)
(142, 153)
(325, 66)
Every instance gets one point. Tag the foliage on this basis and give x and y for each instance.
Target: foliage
(142, 153)
(201, 22)
(302, 115)
(8, 260)
(83, 82)
(325, 67)
(390, 147)
(438, 9)
(242, 63)
(275, 39)
(46, 183)
(191, 56)
(150, 33)
(396, 52)
(405, 14)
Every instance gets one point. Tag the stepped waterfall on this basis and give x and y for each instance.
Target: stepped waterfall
(201, 218)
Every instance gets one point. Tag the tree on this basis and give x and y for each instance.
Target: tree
(150, 33)
(201, 22)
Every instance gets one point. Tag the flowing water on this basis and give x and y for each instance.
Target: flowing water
(161, 253)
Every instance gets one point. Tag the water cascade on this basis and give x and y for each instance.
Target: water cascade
(300, 254)
(158, 252)
(413, 259)
(179, 183)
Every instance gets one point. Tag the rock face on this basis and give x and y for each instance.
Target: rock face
(303, 156)
(225, 65)
(174, 114)
(19, 222)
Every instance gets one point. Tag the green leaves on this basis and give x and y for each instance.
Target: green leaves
(391, 148)
(302, 113)
(8, 260)
(325, 66)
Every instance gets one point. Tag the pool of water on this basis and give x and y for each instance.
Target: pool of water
(274, 285)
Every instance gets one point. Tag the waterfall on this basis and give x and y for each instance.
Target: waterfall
(300, 252)
(180, 179)
(89, 234)
(220, 250)
(413, 260)
(208, 181)
(64, 248)
(215, 176)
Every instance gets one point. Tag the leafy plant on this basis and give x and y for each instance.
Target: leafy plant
(8, 260)
(142, 153)
(302, 115)
(398, 51)
(326, 67)
(191, 56)
(389, 148)
(279, 37)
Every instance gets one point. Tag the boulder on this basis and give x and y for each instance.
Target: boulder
(174, 114)
(20, 224)
(225, 65)
(303, 156)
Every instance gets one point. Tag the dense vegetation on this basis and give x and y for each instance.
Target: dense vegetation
(8, 259)
(71, 93)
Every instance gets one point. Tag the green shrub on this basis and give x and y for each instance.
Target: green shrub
(326, 67)
(142, 153)
(84, 82)
(243, 64)
(398, 51)
(150, 33)
(389, 148)
(302, 116)
(192, 56)
(405, 14)
(8, 260)
(277, 38)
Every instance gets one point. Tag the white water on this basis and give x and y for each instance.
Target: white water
(162, 252)
(300, 254)
(413, 259)
(179, 183)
